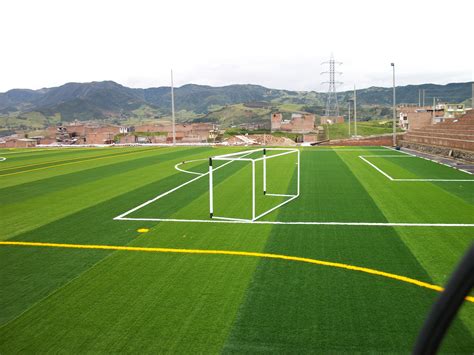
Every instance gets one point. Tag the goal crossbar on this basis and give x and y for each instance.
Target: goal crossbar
(264, 158)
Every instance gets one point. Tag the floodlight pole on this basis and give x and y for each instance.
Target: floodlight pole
(211, 199)
(394, 109)
(264, 171)
(172, 109)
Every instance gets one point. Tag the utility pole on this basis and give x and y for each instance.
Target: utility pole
(355, 111)
(394, 109)
(349, 116)
(172, 109)
(419, 97)
(434, 111)
(424, 92)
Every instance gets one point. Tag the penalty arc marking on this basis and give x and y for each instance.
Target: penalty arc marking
(238, 253)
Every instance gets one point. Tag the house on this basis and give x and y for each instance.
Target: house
(299, 123)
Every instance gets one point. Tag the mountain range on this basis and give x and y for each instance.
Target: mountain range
(108, 100)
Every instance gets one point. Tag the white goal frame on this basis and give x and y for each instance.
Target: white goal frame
(238, 157)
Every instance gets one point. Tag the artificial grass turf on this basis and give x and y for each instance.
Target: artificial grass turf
(185, 303)
(291, 308)
(57, 170)
(32, 157)
(232, 191)
(15, 170)
(97, 339)
(137, 303)
(402, 166)
(90, 225)
(67, 193)
(418, 201)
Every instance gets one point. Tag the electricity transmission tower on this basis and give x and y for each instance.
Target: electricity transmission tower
(332, 106)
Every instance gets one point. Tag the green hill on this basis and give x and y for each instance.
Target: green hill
(108, 101)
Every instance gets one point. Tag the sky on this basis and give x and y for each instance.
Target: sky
(277, 44)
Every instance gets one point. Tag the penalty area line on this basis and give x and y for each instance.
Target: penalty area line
(319, 223)
(239, 253)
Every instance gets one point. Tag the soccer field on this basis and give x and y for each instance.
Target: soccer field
(353, 264)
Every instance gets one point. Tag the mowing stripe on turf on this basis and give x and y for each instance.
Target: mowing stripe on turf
(57, 161)
(237, 253)
(75, 162)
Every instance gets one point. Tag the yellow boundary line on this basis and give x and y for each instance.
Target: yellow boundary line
(76, 162)
(238, 253)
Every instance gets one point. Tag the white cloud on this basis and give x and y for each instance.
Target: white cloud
(273, 43)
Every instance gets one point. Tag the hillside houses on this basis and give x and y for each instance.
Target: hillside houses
(83, 133)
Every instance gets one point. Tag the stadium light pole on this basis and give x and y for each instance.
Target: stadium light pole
(394, 109)
(172, 109)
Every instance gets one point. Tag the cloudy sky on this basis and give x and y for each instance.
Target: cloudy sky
(278, 44)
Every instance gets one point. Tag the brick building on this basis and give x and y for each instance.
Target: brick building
(184, 133)
(299, 123)
(19, 143)
(417, 117)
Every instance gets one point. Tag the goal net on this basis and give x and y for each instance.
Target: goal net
(267, 179)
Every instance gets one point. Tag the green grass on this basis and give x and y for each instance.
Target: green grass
(365, 128)
(76, 301)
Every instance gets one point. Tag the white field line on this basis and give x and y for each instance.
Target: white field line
(434, 180)
(232, 159)
(231, 219)
(187, 171)
(200, 175)
(406, 180)
(370, 224)
(376, 168)
(279, 195)
(345, 150)
(434, 161)
(246, 152)
(388, 156)
(167, 192)
(275, 207)
(277, 155)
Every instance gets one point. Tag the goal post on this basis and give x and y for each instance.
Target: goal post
(264, 158)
